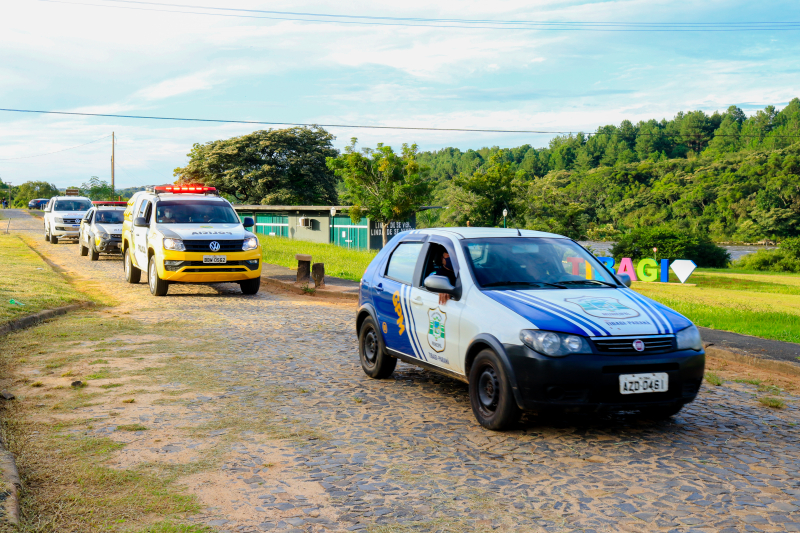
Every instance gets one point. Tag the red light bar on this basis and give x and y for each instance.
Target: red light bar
(108, 202)
(184, 189)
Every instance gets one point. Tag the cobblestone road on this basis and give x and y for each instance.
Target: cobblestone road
(406, 454)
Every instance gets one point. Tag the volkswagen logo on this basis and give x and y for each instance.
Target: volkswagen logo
(638, 345)
(214, 247)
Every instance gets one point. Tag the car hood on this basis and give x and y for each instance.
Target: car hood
(190, 232)
(592, 312)
(115, 229)
(69, 214)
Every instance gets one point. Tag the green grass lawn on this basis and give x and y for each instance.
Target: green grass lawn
(339, 262)
(28, 279)
(758, 304)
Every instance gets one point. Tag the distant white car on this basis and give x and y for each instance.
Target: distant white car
(62, 217)
(101, 229)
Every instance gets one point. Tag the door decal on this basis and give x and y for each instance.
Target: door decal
(399, 310)
(436, 329)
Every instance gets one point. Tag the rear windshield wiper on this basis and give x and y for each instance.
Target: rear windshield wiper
(527, 283)
(573, 282)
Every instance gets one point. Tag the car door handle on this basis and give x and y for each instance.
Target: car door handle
(379, 287)
(417, 301)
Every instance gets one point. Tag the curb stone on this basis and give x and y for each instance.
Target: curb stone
(764, 364)
(31, 320)
(9, 488)
(322, 293)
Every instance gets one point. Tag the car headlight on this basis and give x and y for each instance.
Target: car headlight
(103, 236)
(689, 339)
(553, 344)
(250, 243)
(174, 244)
(58, 220)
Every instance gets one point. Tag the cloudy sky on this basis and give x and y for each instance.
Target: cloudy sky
(172, 58)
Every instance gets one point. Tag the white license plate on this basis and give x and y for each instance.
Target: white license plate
(641, 383)
(215, 259)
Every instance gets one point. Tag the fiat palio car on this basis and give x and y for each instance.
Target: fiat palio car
(188, 234)
(530, 320)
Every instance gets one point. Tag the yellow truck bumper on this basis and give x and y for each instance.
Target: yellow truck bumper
(192, 269)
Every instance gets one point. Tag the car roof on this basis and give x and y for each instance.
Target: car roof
(478, 233)
(109, 207)
(70, 198)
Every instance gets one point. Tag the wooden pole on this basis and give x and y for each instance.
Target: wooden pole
(113, 145)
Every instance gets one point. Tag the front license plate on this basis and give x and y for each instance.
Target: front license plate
(641, 383)
(215, 259)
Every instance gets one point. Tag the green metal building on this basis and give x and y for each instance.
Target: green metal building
(325, 224)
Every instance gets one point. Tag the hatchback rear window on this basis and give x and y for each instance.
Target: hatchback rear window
(403, 262)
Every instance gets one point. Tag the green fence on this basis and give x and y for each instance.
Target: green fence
(349, 235)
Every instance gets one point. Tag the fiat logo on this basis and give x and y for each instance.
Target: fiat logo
(214, 247)
(638, 345)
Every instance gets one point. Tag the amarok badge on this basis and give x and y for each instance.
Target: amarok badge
(436, 332)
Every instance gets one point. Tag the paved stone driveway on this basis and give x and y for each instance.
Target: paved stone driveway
(339, 451)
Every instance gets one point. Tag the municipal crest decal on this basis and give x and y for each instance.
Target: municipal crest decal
(603, 307)
(436, 331)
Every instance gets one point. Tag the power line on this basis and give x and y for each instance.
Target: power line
(328, 18)
(57, 151)
(362, 126)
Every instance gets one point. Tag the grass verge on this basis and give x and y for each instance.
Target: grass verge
(29, 280)
(339, 262)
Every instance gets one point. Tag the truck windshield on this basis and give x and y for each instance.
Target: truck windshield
(532, 262)
(72, 205)
(195, 212)
(109, 217)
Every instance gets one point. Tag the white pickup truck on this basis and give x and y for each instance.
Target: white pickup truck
(62, 217)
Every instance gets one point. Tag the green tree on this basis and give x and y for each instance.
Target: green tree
(672, 244)
(284, 167)
(381, 184)
(479, 198)
(33, 189)
(96, 189)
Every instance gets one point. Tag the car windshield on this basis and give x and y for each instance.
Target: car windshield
(109, 217)
(534, 262)
(197, 212)
(72, 205)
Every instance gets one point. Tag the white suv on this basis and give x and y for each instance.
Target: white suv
(62, 217)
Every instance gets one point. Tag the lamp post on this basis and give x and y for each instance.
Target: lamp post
(505, 213)
(332, 238)
(655, 257)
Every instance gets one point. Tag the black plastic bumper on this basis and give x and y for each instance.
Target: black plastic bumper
(591, 382)
(110, 246)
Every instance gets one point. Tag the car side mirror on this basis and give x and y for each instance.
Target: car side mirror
(625, 279)
(436, 283)
(248, 222)
(141, 222)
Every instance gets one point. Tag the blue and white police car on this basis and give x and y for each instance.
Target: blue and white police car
(530, 320)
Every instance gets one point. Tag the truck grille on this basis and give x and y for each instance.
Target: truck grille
(624, 345)
(225, 245)
(72, 221)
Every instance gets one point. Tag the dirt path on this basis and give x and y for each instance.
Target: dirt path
(258, 406)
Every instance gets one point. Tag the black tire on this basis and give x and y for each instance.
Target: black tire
(661, 412)
(84, 250)
(490, 393)
(132, 274)
(46, 234)
(375, 361)
(250, 286)
(158, 287)
(95, 255)
(53, 239)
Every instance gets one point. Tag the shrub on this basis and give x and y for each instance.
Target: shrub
(784, 259)
(671, 244)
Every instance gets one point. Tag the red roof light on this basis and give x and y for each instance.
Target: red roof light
(191, 189)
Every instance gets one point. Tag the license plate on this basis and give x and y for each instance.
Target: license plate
(641, 383)
(215, 259)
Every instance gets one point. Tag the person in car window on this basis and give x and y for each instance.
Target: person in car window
(444, 267)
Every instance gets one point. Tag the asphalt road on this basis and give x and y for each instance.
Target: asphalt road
(406, 452)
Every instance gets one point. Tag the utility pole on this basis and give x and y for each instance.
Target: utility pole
(113, 143)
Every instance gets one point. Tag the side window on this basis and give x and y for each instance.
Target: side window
(149, 212)
(440, 261)
(143, 208)
(403, 261)
(88, 216)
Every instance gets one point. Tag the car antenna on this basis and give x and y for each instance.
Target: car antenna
(518, 233)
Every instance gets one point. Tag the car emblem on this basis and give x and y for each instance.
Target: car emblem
(214, 246)
(638, 345)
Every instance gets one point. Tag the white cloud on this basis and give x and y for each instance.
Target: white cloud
(199, 81)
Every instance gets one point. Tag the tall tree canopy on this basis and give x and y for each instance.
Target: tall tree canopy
(268, 167)
(96, 189)
(29, 190)
(381, 184)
